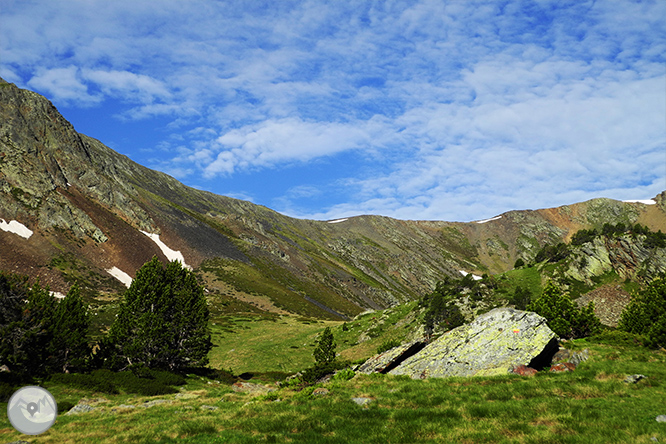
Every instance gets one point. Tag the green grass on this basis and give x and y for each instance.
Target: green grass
(265, 343)
(591, 405)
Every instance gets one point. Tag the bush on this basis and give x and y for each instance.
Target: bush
(563, 316)
(521, 298)
(646, 314)
(315, 373)
(344, 375)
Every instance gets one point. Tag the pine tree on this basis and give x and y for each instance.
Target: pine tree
(646, 314)
(162, 322)
(26, 325)
(563, 316)
(324, 352)
(69, 348)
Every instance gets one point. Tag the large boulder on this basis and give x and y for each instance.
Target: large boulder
(493, 344)
(385, 362)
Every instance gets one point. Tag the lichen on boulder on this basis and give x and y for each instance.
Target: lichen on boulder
(493, 344)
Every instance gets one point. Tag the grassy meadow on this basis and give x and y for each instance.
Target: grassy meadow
(591, 405)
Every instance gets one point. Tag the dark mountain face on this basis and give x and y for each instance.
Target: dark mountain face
(94, 214)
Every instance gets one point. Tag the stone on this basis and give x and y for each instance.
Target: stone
(320, 391)
(208, 407)
(80, 408)
(661, 418)
(572, 357)
(385, 362)
(155, 402)
(493, 344)
(523, 370)
(363, 401)
(249, 387)
(4, 369)
(186, 395)
(633, 379)
(563, 367)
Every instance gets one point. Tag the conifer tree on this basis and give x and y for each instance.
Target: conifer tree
(563, 316)
(26, 325)
(69, 347)
(324, 352)
(162, 322)
(646, 314)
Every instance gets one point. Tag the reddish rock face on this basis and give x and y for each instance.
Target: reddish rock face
(563, 367)
(523, 370)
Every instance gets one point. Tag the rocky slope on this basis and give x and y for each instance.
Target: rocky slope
(89, 210)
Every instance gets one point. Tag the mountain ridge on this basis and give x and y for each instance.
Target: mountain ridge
(88, 208)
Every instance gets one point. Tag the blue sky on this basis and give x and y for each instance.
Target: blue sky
(446, 110)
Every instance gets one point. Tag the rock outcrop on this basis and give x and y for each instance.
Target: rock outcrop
(492, 344)
(387, 361)
(630, 257)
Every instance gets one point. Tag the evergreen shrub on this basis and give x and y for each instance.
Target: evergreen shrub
(564, 317)
(646, 314)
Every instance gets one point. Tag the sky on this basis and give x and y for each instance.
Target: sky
(418, 109)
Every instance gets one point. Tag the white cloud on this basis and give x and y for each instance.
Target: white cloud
(63, 84)
(277, 141)
(458, 110)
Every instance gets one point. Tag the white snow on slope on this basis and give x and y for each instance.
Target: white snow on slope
(337, 221)
(488, 220)
(120, 275)
(475, 277)
(172, 255)
(16, 228)
(643, 201)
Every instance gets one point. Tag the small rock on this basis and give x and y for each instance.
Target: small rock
(123, 407)
(19, 442)
(362, 401)
(208, 407)
(154, 403)
(4, 369)
(661, 418)
(523, 370)
(249, 387)
(320, 391)
(186, 395)
(572, 357)
(633, 379)
(80, 408)
(563, 367)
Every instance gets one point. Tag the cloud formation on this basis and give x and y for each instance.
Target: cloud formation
(418, 109)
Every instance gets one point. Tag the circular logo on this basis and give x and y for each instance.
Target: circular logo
(32, 410)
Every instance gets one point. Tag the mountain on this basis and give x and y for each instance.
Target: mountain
(72, 209)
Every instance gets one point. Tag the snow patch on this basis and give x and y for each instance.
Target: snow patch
(120, 275)
(337, 221)
(475, 277)
(643, 201)
(172, 255)
(488, 220)
(16, 228)
(57, 294)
